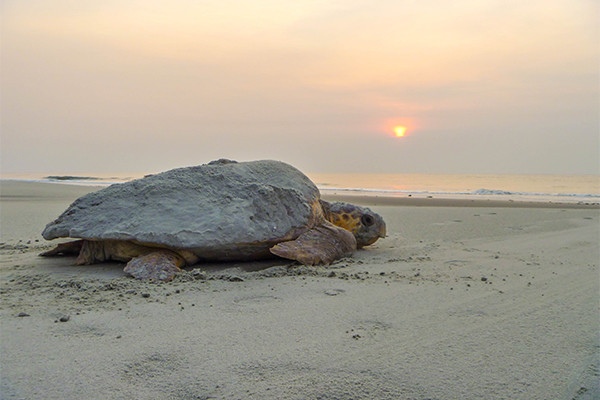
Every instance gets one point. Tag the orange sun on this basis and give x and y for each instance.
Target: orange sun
(400, 131)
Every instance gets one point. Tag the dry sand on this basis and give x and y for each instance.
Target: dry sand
(457, 303)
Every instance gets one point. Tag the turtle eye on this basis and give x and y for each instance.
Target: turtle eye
(367, 220)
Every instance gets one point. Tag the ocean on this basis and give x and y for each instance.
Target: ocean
(570, 188)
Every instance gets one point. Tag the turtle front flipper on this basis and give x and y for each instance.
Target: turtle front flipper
(160, 265)
(64, 249)
(321, 245)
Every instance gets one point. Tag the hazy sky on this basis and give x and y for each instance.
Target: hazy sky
(142, 86)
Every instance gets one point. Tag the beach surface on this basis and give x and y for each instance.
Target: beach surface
(463, 300)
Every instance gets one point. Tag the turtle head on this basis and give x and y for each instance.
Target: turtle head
(366, 225)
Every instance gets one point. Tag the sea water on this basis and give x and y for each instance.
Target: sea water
(570, 188)
(545, 188)
(462, 184)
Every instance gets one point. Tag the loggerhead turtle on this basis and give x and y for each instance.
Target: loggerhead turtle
(223, 210)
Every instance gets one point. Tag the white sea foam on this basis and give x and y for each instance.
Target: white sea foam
(489, 192)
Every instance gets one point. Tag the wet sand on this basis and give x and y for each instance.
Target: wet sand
(466, 300)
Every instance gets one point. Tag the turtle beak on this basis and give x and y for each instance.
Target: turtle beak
(382, 231)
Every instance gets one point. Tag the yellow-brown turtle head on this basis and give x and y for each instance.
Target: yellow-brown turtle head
(366, 225)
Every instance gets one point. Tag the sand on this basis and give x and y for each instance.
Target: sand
(461, 301)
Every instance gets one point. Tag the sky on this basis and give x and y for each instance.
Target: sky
(481, 86)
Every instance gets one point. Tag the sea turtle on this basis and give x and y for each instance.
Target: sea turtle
(223, 210)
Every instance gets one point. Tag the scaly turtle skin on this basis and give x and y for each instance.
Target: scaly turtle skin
(223, 210)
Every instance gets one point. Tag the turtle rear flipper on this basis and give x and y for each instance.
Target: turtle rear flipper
(321, 245)
(160, 265)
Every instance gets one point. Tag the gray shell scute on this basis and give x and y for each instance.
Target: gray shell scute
(207, 206)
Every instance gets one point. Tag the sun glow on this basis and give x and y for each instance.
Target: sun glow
(399, 127)
(400, 131)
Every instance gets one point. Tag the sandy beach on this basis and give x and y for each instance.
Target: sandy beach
(462, 300)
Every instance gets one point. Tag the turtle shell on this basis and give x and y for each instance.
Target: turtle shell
(217, 208)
